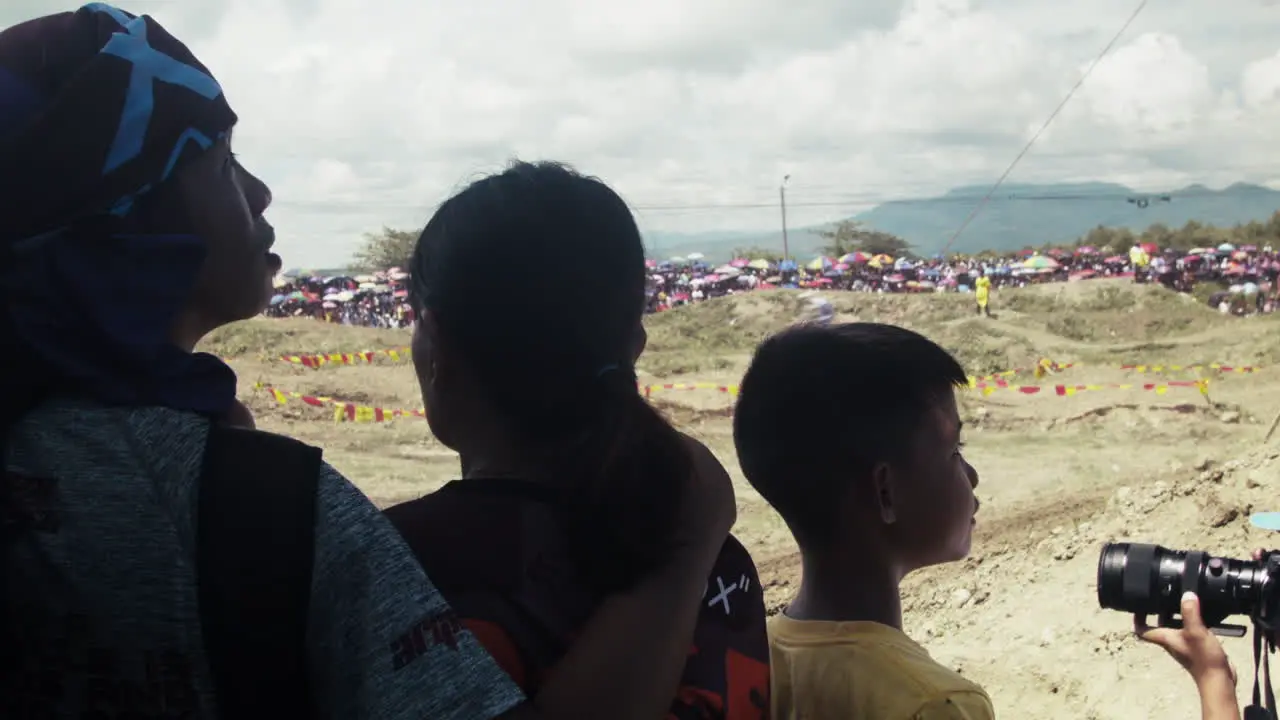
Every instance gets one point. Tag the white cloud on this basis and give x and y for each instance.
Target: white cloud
(1260, 83)
(361, 114)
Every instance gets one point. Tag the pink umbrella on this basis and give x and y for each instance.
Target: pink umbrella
(739, 262)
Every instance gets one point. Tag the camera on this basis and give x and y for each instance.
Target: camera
(1150, 580)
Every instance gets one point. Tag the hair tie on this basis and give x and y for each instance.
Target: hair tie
(606, 369)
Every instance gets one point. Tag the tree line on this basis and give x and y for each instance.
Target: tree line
(390, 247)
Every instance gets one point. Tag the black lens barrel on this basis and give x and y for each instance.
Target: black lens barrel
(1150, 580)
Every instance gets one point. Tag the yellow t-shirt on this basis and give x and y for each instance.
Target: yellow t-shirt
(983, 287)
(855, 670)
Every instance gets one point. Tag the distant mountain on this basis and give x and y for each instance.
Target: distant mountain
(719, 245)
(1017, 215)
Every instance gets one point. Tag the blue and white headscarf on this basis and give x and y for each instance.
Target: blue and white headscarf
(97, 109)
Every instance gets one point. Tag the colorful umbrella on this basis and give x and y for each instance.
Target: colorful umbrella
(1040, 262)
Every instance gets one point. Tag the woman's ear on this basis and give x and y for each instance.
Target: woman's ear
(426, 348)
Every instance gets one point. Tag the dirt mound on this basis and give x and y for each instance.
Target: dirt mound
(718, 336)
(1109, 310)
(272, 337)
(1063, 321)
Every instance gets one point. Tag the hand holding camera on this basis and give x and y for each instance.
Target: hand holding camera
(1200, 654)
(1192, 593)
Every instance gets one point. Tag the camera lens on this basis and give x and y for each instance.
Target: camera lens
(1129, 577)
(1149, 580)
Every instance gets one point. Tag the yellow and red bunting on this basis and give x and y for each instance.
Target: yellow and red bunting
(1212, 367)
(1065, 390)
(1041, 369)
(354, 412)
(345, 411)
(649, 390)
(316, 360)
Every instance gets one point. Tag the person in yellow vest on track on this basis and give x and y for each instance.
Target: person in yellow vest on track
(982, 289)
(1139, 259)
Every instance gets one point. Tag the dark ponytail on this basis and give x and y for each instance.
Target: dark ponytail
(630, 474)
(535, 279)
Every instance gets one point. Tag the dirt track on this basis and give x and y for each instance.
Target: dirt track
(1060, 476)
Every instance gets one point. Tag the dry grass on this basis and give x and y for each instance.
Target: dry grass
(263, 336)
(1050, 465)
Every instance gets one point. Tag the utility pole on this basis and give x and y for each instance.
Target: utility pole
(782, 201)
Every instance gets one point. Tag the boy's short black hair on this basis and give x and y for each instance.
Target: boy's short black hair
(820, 405)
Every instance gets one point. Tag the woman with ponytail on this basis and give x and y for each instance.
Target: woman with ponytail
(579, 505)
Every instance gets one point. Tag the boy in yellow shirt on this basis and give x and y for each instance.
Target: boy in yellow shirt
(852, 434)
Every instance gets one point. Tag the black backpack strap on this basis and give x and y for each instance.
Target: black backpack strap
(254, 555)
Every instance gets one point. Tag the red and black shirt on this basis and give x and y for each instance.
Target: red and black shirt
(499, 553)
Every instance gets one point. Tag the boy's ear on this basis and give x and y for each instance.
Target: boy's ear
(882, 486)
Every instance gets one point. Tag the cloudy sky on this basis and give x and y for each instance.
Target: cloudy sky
(361, 114)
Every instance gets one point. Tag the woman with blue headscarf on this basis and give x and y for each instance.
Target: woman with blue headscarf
(128, 231)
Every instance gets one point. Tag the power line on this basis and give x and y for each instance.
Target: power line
(1048, 121)
(350, 205)
(1138, 197)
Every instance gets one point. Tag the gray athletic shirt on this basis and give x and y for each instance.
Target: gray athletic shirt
(110, 571)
